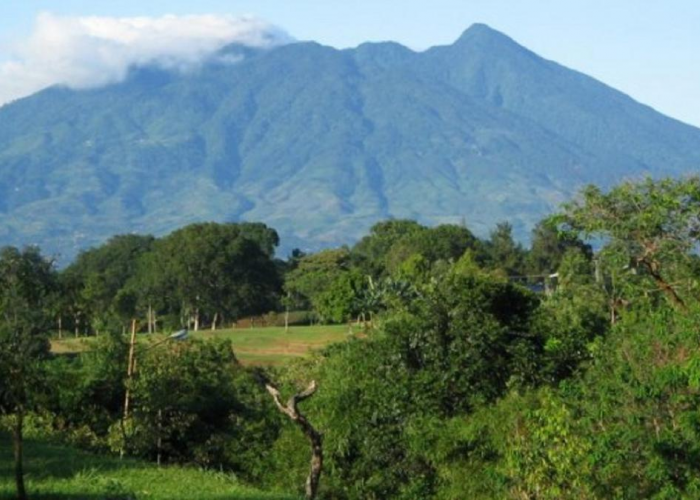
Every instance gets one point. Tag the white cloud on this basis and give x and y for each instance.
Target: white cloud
(87, 52)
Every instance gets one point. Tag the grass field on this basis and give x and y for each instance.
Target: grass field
(62, 473)
(258, 346)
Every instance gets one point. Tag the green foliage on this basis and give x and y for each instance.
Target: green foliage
(86, 393)
(574, 317)
(649, 227)
(468, 386)
(214, 269)
(203, 272)
(339, 303)
(503, 252)
(525, 446)
(639, 404)
(627, 428)
(314, 275)
(392, 243)
(26, 282)
(100, 275)
(548, 247)
(461, 342)
(194, 403)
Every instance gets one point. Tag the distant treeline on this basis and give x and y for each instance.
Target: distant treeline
(211, 274)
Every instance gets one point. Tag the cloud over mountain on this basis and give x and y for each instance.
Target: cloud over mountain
(87, 52)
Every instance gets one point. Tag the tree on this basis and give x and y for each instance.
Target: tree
(504, 253)
(103, 272)
(650, 227)
(69, 302)
(314, 276)
(445, 242)
(266, 237)
(549, 246)
(449, 242)
(372, 251)
(315, 438)
(460, 342)
(26, 282)
(339, 302)
(214, 271)
(571, 318)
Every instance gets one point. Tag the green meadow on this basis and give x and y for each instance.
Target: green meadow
(253, 346)
(64, 473)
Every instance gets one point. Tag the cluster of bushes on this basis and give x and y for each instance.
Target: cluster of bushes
(468, 384)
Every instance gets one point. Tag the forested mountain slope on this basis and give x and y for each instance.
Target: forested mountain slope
(320, 143)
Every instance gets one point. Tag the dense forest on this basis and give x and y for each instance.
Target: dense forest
(568, 369)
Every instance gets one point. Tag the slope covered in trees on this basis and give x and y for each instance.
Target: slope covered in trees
(322, 143)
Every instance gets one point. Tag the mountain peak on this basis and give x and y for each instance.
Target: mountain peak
(483, 33)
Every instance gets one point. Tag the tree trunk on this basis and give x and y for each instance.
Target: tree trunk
(150, 319)
(286, 319)
(196, 320)
(129, 373)
(17, 440)
(213, 322)
(314, 437)
(60, 327)
(160, 436)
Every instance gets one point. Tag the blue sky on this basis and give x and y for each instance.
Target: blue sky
(648, 49)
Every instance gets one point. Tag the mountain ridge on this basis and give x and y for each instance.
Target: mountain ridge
(320, 143)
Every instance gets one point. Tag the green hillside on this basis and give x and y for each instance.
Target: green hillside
(320, 143)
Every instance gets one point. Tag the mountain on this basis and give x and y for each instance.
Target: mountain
(321, 143)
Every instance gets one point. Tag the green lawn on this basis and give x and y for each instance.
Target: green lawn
(259, 346)
(63, 473)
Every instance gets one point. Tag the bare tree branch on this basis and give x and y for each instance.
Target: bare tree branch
(315, 437)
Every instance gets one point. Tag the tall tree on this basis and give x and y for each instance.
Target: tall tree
(650, 228)
(315, 274)
(216, 271)
(104, 271)
(26, 282)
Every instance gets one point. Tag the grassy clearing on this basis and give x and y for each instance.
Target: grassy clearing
(63, 473)
(253, 346)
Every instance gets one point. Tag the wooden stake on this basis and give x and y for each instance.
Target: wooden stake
(130, 368)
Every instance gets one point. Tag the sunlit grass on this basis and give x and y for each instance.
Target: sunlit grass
(60, 472)
(260, 346)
